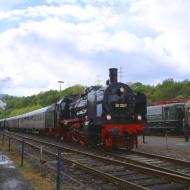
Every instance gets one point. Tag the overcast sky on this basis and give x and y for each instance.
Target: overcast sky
(43, 41)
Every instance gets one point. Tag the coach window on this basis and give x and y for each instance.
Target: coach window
(63, 105)
(180, 111)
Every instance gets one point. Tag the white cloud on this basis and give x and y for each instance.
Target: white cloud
(31, 61)
(63, 11)
(70, 41)
(171, 19)
(108, 2)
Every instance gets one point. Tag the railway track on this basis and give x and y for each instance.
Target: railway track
(161, 163)
(125, 172)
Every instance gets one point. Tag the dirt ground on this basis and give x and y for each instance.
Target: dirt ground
(10, 179)
(167, 146)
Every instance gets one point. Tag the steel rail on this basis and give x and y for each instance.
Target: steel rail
(166, 158)
(167, 175)
(130, 160)
(111, 178)
(52, 154)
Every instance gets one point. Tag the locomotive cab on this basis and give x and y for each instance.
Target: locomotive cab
(62, 108)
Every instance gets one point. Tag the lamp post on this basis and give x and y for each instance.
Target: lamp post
(4, 108)
(60, 82)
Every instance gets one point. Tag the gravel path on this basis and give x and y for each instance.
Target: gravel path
(166, 146)
(10, 179)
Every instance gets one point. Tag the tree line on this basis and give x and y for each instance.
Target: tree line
(20, 105)
(167, 90)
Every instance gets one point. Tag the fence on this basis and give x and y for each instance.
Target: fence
(58, 159)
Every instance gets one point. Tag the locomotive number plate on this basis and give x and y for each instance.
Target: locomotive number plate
(120, 105)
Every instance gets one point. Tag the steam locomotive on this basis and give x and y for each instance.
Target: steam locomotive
(110, 116)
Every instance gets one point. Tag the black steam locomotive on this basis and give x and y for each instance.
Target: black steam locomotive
(109, 116)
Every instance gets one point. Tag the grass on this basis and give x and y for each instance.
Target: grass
(29, 174)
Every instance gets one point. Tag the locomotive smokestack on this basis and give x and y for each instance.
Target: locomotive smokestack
(113, 75)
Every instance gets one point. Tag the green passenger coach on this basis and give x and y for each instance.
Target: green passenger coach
(167, 117)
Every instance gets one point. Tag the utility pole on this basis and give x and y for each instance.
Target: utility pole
(120, 74)
(98, 79)
(60, 82)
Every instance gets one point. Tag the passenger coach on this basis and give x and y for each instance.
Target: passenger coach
(165, 117)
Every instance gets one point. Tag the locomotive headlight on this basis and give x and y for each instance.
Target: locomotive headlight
(108, 117)
(139, 117)
(122, 89)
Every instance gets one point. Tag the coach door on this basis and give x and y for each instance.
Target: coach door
(166, 113)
